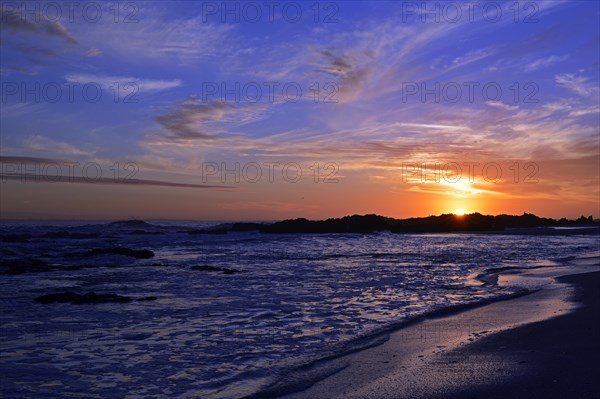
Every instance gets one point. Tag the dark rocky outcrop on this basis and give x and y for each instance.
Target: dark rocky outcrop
(22, 266)
(133, 223)
(144, 232)
(66, 234)
(147, 298)
(347, 224)
(213, 230)
(134, 253)
(475, 222)
(15, 237)
(364, 224)
(215, 269)
(79, 299)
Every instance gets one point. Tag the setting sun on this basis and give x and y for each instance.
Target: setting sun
(459, 212)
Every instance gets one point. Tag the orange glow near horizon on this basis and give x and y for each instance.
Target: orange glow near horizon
(382, 118)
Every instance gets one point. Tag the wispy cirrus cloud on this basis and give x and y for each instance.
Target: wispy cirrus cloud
(187, 120)
(545, 62)
(47, 145)
(350, 71)
(15, 21)
(29, 41)
(471, 57)
(196, 120)
(31, 160)
(578, 84)
(501, 105)
(93, 52)
(13, 170)
(182, 41)
(108, 82)
(104, 180)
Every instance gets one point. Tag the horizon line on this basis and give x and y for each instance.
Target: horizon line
(134, 218)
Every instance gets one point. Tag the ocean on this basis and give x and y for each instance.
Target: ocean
(260, 306)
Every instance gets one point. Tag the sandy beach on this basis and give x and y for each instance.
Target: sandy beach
(545, 344)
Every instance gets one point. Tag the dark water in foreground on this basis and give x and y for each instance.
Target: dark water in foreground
(297, 298)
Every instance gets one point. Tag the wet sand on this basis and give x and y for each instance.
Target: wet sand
(545, 344)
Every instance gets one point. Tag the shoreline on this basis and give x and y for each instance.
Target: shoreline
(322, 368)
(446, 355)
(561, 354)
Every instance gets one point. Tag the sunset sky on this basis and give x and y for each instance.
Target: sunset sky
(377, 104)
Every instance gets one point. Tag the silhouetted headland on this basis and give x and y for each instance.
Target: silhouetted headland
(474, 222)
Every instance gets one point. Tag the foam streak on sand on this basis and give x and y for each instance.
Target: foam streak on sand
(545, 344)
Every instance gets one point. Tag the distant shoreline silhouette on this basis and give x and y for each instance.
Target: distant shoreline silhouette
(474, 222)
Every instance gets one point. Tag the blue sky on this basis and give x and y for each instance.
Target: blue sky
(370, 60)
